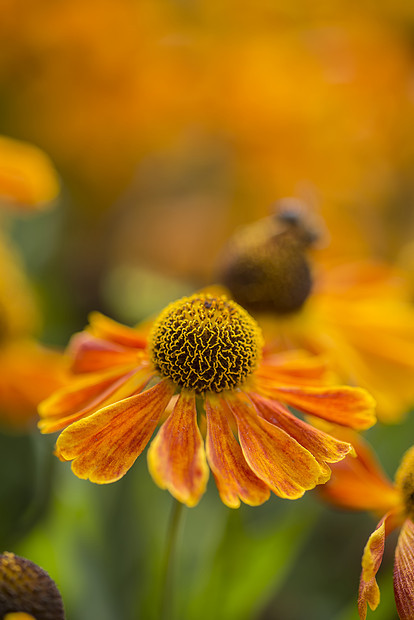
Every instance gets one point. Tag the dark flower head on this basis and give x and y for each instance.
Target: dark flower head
(27, 588)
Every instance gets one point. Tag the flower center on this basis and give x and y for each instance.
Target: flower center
(266, 268)
(27, 591)
(404, 480)
(205, 343)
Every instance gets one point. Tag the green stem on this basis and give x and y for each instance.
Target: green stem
(167, 569)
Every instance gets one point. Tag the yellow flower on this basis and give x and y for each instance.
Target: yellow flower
(27, 177)
(359, 483)
(27, 591)
(202, 358)
(356, 314)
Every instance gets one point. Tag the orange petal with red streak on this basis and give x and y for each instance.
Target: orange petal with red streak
(234, 478)
(349, 406)
(106, 444)
(127, 385)
(371, 561)
(103, 327)
(324, 447)
(81, 393)
(176, 457)
(277, 459)
(404, 572)
(90, 354)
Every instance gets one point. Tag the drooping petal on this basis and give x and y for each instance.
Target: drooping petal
(360, 483)
(176, 457)
(90, 354)
(349, 406)
(127, 385)
(390, 383)
(103, 327)
(234, 478)
(79, 393)
(276, 458)
(293, 367)
(404, 572)
(83, 395)
(369, 593)
(324, 447)
(105, 445)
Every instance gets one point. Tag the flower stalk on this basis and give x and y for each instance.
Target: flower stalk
(168, 564)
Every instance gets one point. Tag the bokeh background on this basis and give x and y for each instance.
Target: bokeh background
(169, 124)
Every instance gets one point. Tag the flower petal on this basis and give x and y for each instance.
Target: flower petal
(90, 354)
(404, 572)
(234, 478)
(324, 447)
(297, 367)
(371, 561)
(105, 445)
(349, 406)
(127, 385)
(86, 394)
(176, 457)
(276, 458)
(80, 393)
(360, 483)
(103, 327)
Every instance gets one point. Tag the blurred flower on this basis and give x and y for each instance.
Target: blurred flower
(27, 591)
(108, 83)
(19, 315)
(29, 372)
(358, 315)
(27, 178)
(207, 351)
(359, 483)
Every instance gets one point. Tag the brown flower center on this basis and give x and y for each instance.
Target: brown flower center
(205, 343)
(25, 587)
(266, 269)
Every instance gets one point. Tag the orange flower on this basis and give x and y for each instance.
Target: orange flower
(202, 355)
(27, 591)
(350, 307)
(362, 485)
(130, 78)
(27, 177)
(341, 316)
(19, 315)
(29, 373)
